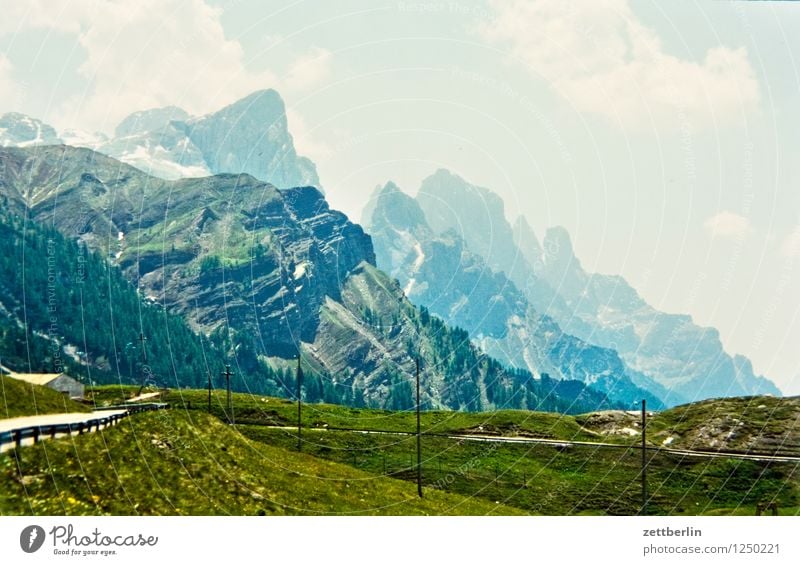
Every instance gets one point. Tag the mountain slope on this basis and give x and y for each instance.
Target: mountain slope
(20, 130)
(441, 273)
(686, 361)
(250, 136)
(63, 308)
(268, 273)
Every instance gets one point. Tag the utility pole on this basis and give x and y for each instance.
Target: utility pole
(142, 339)
(644, 458)
(299, 405)
(227, 374)
(209, 392)
(419, 441)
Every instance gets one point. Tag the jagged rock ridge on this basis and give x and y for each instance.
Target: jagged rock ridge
(250, 136)
(267, 273)
(686, 362)
(439, 271)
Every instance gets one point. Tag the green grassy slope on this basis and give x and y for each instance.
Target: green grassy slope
(263, 410)
(559, 480)
(18, 398)
(188, 463)
(538, 479)
(768, 424)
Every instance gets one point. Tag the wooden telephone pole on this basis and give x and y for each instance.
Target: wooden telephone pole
(419, 441)
(299, 406)
(142, 339)
(644, 458)
(209, 392)
(227, 374)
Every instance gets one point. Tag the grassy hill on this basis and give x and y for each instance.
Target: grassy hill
(559, 480)
(759, 424)
(263, 410)
(538, 479)
(18, 398)
(755, 424)
(188, 463)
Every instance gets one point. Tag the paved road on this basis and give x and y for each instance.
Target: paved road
(54, 419)
(10, 424)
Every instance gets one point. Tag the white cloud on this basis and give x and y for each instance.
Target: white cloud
(791, 244)
(159, 52)
(11, 92)
(602, 60)
(153, 53)
(57, 15)
(728, 225)
(309, 70)
(306, 140)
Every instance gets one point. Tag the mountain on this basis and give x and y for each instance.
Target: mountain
(479, 224)
(682, 356)
(250, 136)
(686, 361)
(477, 215)
(22, 131)
(267, 273)
(439, 271)
(150, 120)
(63, 307)
(164, 151)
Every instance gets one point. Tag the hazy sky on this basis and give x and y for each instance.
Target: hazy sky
(663, 135)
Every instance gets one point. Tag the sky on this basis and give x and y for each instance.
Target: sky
(662, 135)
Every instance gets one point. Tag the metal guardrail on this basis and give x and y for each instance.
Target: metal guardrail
(45, 431)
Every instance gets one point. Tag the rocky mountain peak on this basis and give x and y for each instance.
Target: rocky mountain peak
(439, 270)
(20, 130)
(474, 212)
(154, 119)
(249, 136)
(252, 136)
(527, 242)
(305, 201)
(557, 246)
(263, 104)
(444, 189)
(393, 207)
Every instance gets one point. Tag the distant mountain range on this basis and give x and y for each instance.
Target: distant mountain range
(218, 219)
(440, 272)
(250, 136)
(266, 274)
(455, 252)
